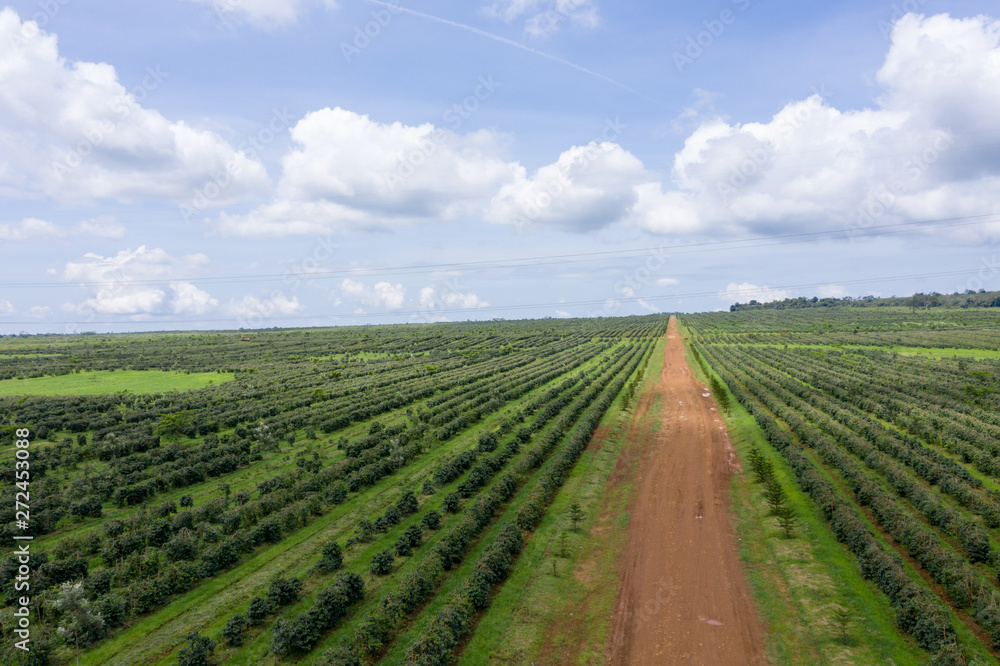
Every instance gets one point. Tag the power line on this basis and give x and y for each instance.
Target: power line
(546, 260)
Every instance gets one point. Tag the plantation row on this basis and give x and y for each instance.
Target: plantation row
(898, 457)
(111, 496)
(135, 578)
(379, 625)
(825, 411)
(139, 467)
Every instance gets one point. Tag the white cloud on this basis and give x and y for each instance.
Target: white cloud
(744, 292)
(832, 291)
(188, 299)
(120, 284)
(452, 299)
(258, 309)
(562, 314)
(263, 13)
(646, 305)
(815, 165)
(7, 308)
(73, 131)
(39, 311)
(667, 282)
(587, 187)
(347, 171)
(383, 294)
(428, 295)
(28, 228)
(545, 17)
(431, 299)
(104, 226)
(916, 154)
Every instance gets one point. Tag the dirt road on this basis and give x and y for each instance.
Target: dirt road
(683, 598)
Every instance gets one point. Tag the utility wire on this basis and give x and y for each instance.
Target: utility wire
(547, 260)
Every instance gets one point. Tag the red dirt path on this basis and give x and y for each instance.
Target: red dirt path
(683, 598)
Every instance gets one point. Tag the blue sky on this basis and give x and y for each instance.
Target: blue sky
(254, 163)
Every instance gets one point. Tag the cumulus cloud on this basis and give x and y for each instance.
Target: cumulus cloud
(73, 131)
(914, 155)
(28, 228)
(382, 294)
(347, 171)
(120, 285)
(189, 299)
(7, 308)
(587, 187)
(832, 291)
(746, 291)
(431, 299)
(255, 310)
(543, 18)
(263, 13)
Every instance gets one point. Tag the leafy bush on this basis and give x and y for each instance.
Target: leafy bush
(382, 563)
(197, 651)
(232, 633)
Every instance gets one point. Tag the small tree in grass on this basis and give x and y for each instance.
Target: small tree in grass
(576, 514)
(774, 494)
(787, 519)
(80, 622)
(563, 552)
(842, 617)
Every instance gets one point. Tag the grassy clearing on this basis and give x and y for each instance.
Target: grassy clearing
(798, 582)
(100, 382)
(538, 615)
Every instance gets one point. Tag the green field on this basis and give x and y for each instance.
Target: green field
(183, 509)
(177, 509)
(99, 382)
